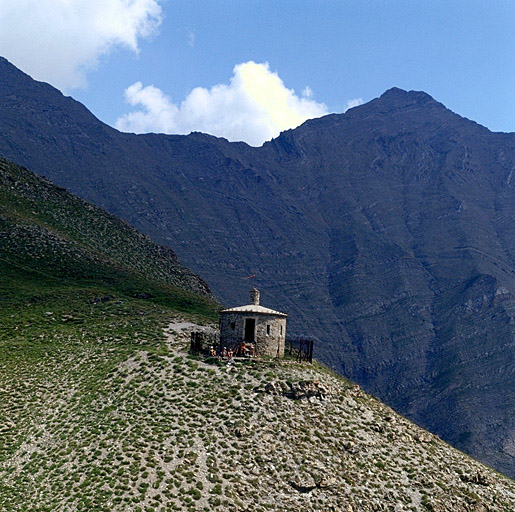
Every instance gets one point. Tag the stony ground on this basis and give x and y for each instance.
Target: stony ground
(165, 431)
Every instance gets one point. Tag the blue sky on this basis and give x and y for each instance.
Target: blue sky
(460, 52)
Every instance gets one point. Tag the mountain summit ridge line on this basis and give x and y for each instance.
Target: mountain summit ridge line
(387, 232)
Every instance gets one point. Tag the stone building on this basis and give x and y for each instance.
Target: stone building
(259, 330)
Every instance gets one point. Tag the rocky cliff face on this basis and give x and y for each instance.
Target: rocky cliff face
(387, 232)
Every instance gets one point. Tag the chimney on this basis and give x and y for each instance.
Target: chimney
(254, 296)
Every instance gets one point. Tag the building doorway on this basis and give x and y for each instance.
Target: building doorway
(250, 329)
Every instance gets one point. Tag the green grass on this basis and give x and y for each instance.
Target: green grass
(80, 293)
(50, 239)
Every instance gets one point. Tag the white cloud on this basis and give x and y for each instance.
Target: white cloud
(356, 102)
(191, 39)
(58, 41)
(254, 107)
(307, 92)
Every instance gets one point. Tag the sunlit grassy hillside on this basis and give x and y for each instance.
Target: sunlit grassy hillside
(80, 291)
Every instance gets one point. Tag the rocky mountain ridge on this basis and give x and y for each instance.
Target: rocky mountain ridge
(387, 232)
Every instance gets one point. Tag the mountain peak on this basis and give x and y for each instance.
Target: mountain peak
(396, 96)
(368, 226)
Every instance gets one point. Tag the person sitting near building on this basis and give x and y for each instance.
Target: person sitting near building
(230, 353)
(212, 352)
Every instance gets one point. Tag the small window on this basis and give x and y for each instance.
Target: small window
(233, 325)
(268, 330)
(281, 330)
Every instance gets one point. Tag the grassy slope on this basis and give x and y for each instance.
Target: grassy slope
(79, 292)
(53, 242)
(148, 428)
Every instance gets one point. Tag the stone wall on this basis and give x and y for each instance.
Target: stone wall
(270, 332)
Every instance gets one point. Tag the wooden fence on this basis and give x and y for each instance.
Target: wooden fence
(300, 348)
